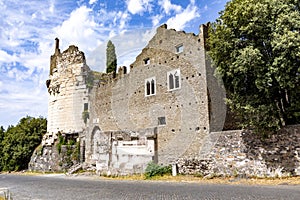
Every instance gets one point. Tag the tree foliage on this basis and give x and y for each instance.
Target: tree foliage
(18, 142)
(111, 58)
(255, 47)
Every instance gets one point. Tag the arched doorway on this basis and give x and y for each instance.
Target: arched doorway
(95, 141)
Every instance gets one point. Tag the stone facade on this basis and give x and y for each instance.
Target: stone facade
(167, 107)
(179, 114)
(166, 90)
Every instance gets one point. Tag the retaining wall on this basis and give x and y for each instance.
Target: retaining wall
(243, 153)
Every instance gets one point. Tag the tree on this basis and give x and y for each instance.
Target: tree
(255, 47)
(20, 141)
(111, 58)
(2, 132)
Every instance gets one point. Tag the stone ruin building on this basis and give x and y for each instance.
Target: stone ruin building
(166, 107)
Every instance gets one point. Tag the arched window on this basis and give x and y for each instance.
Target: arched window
(174, 81)
(176, 75)
(150, 86)
(171, 81)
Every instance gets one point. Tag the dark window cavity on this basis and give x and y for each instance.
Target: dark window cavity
(174, 80)
(161, 120)
(150, 86)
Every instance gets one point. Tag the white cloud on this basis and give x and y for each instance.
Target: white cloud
(26, 43)
(168, 6)
(156, 20)
(139, 6)
(51, 8)
(180, 20)
(16, 104)
(5, 57)
(128, 46)
(123, 19)
(78, 29)
(92, 2)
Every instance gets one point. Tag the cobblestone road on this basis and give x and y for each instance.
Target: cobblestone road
(61, 187)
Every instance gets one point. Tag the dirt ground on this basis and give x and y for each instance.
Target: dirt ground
(217, 180)
(190, 178)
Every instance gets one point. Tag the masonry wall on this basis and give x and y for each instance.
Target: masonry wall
(121, 152)
(67, 91)
(243, 153)
(121, 103)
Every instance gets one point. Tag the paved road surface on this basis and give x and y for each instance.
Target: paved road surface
(61, 187)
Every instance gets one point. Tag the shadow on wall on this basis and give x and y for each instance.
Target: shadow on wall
(279, 151)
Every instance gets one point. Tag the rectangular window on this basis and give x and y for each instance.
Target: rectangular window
(174, 80)
(161, 120)
(179, 48)
(147, 61)
(86, 107)
(150, 86)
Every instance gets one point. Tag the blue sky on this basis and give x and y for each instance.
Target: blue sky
(28, 29)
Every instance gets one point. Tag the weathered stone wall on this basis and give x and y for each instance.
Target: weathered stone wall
(242, 153)
(121, 152)
(121, 103)
(49, 159)
(68, 99)
(68, 91)
(183, 116)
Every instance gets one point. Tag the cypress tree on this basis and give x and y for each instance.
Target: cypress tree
(111, 58)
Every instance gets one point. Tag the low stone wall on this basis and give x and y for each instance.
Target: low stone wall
(48, 159)
(122, 152)
(243, 153)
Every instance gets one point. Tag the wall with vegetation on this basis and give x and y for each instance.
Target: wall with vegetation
(243, 153)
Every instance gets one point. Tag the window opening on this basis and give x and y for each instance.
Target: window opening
(86, 106)
(174, 80)
(179, 48)
(161, 120)
(147, 61)
(171, 82)
(150, 86)
(176, 75)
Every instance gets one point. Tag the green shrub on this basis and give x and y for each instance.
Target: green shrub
(18, 143)
(61, 141)
(154, 169)
(85, 116)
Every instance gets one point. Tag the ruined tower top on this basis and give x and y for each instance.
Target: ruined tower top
(57, 46)
(53, 58)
